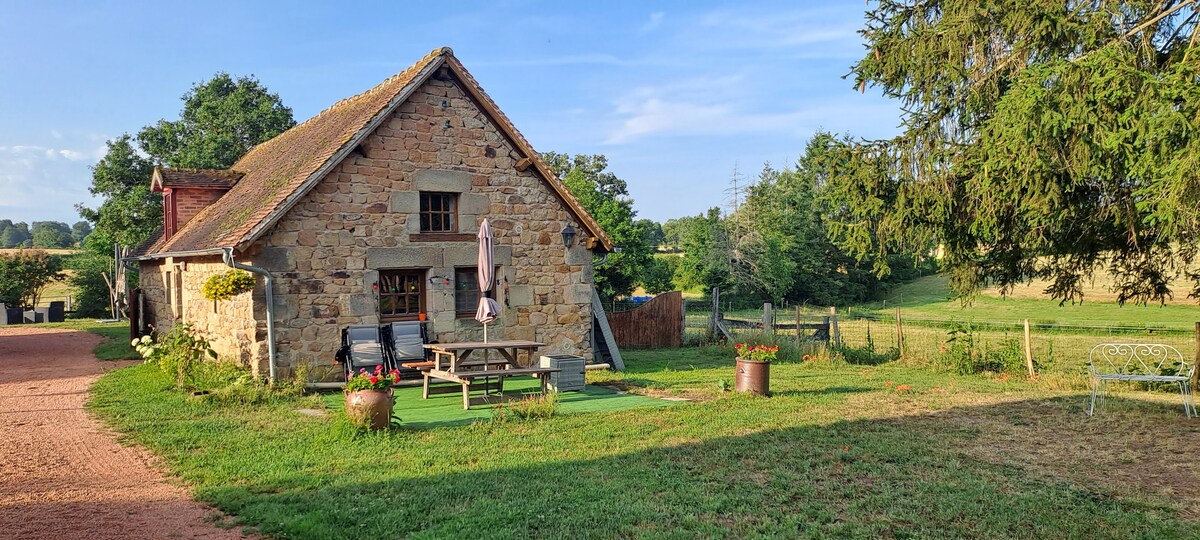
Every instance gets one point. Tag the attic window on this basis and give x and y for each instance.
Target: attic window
(439, 212)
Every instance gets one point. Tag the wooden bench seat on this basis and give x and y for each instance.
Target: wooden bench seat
(466, 378)
(421, 366)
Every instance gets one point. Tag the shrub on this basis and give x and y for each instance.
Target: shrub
(25, 274)
(961, 354)
(865, 356)
(226, 285)
(178, 353)
(91, 294)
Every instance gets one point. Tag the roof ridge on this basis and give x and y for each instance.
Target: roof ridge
(406, 73)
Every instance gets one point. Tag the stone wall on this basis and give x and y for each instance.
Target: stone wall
(232, 327)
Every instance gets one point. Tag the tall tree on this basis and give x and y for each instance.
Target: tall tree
(606, 198)
(707, 252)
(130, 211)
(14, 234)
(80, 230)
(51, 234)
(1042, 139)
(652, 232)
(222, 119)
(25, 274)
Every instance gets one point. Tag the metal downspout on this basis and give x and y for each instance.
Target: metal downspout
(227, 255)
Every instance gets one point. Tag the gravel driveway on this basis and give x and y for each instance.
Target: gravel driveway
(62, 474)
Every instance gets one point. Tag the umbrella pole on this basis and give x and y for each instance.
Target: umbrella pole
(487, 381)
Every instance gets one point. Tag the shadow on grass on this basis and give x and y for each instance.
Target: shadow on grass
(445, 409)
(913, 476)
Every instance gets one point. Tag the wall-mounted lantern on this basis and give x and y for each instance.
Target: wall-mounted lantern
(568, 235)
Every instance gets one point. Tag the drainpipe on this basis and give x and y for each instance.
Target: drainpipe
(604, 258)
(227, 255)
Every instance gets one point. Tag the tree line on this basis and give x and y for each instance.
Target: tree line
(42, 234)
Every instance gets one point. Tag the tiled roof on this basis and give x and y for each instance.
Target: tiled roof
(280, 171)
(195, 178)
(149, 245)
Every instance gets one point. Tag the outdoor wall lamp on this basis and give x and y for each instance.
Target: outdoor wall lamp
(568, 234)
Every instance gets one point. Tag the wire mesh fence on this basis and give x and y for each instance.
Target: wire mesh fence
(1055, 348)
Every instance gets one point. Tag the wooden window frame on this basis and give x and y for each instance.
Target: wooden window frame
(389, 277)
(429, 216)
(473, 286)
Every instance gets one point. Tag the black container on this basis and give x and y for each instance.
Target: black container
(57, 312)
(15, 315)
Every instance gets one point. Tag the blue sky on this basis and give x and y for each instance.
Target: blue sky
(676, 94)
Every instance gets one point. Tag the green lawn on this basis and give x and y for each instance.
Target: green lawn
(838, 451)
(116, 343)
(446, 409)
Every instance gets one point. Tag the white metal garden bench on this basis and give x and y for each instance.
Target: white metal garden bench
(1140, 362)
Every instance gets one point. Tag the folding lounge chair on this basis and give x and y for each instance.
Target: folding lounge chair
(362, 348)
(404, 342)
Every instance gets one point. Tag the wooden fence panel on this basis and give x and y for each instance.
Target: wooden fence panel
(653, 325)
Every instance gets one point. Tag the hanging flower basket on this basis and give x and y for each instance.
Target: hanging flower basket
(227, 285)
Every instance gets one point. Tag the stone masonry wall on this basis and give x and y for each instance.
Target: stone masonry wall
(231, 326)
(363, 217)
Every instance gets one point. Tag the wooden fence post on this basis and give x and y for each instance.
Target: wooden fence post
(1195, 370)
(768, 322)
(716, 311)
(899, 333)
(1029, 351)
(797, 323)
(835, 333)
(682, 320)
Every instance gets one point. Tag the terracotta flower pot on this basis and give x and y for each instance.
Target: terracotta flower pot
(752, 376)
(370, 408)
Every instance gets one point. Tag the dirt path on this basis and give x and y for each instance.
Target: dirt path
(61, 474)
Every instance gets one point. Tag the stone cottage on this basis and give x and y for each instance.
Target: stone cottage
(367, 213)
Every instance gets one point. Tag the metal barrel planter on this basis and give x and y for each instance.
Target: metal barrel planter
(753, 376)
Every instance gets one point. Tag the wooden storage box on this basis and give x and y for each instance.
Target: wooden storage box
(570, 378)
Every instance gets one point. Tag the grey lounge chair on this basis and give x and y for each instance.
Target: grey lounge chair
(362, 348)
(405, 342)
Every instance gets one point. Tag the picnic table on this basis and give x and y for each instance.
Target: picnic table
(450, 364)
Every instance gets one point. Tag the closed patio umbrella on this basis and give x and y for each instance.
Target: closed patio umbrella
(488, 309)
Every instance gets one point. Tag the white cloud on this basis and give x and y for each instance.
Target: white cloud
(39, 183)
(655, 21)
(718, 109)
(813, 32)
(655, 116)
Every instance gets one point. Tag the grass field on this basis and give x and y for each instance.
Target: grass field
(116, 343)
(51, 251)
(840, 450)
(929, 297)
(1061, 335)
